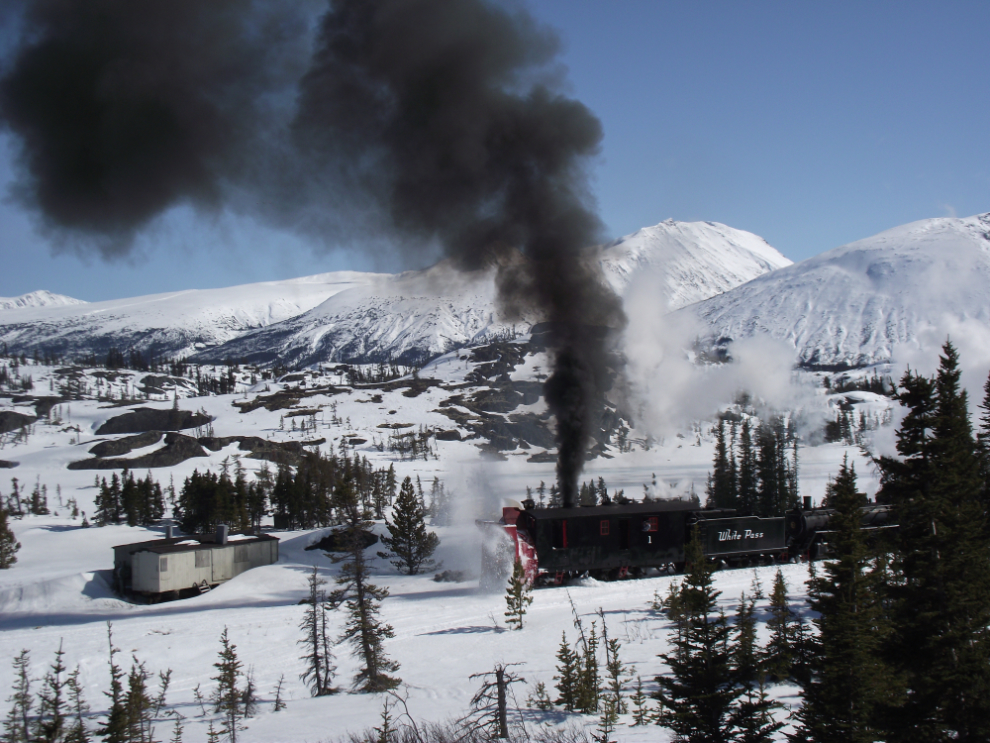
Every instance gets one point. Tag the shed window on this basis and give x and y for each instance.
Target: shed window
(162, 564)
(202, 558)
(241, 554)
(603, 528)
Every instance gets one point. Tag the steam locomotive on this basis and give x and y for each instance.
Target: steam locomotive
(615, 541)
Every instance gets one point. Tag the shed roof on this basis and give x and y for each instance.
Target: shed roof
(193, 543)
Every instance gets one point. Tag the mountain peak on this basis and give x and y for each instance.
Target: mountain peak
(40, 298)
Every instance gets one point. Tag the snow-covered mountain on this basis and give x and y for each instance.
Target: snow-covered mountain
(691, 260)
(407, 317)
(173, 324)
(356, 316)
(42, 298)
(420, 314)
(856, 304)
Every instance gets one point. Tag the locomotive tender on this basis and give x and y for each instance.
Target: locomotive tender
(619, 540)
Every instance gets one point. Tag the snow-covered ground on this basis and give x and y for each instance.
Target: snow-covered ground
(58, 591)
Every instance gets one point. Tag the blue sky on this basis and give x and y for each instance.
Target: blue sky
(810, 124)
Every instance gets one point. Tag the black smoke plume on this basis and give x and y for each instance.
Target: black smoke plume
(429, 122)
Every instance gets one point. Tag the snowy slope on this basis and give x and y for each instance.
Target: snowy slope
(42, 298)
(421, 314)
(406, 317)
(859, 303)
(58, 591)
(173, 324)
(692, 260)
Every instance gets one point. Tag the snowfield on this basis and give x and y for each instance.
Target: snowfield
(58, 592)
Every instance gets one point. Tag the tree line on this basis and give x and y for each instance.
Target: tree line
(755, 470)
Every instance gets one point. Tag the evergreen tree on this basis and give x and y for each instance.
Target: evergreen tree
(50, 724)
(753, 717)
(567, 675)
(721, 489)
(114, 728)
(745, 648)
(588, 689)
(363, 628)
(518, 596)
(700, 693)
(318, 657)
(748, 478)
(778, 656)
(8, 544)
(849, 683)
(227, 695)
(409, 546)
(942, 586)
(76, 731)
(17, 725)
(139, 705)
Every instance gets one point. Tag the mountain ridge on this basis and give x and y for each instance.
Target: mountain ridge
(857, 304)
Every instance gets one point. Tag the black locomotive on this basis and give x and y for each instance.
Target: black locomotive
(616, 541)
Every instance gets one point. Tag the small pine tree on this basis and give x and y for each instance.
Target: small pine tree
(745, 650)
(410, 546)
(51, 722)
(76, 731)
(540, 699)
(518, 596)
(753, 718)
(778, 656)
(279, 703)
(8, 543)
(567, 673)
(640, 711)
(114, 728)
(319, 668)
(227, 696)
(176, 730)
(139, 705)
(17, 728)
(588, 681)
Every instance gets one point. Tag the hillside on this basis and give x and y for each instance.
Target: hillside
(359, 317)
(173, 324)
(418, 315)
(866, 302)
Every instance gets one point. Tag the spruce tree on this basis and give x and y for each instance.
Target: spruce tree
(76, 730)
(518, 596)
(361, 599)
(752, 717)
(850, 684)
(778, 655)
(721, 489)
(748, 477)
(567, 675)
(227, 695)
(17, 725)
(701, 691)
(745, 649)
(114, 728)
(8, 544)
(318, 657)
(942, 583)
(409, 546)
(50, 725)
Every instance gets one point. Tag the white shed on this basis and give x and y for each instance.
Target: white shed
(179, 566)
